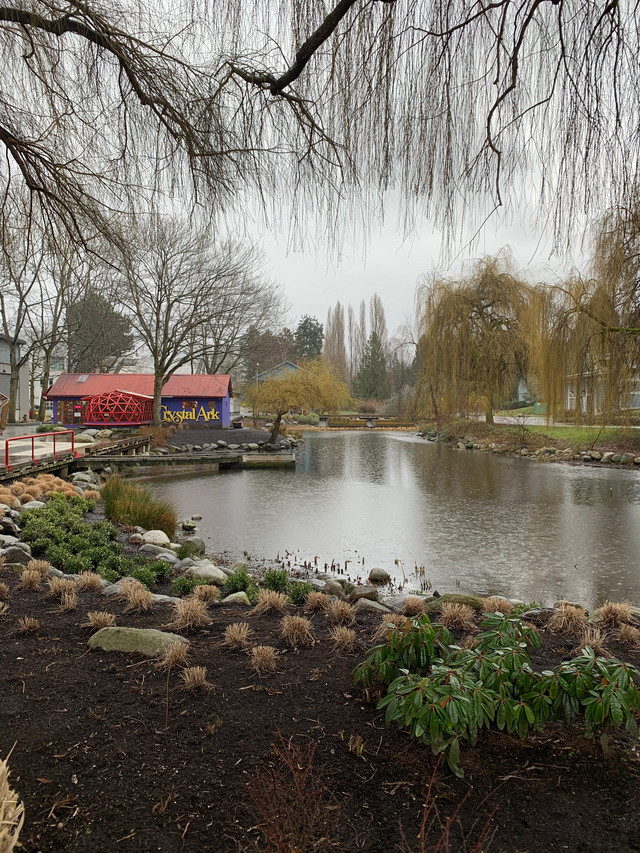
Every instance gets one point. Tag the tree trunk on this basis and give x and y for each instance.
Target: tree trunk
(32, 388)
(46, 372)
(14, 368)
(158, 382)
(275, 432)
(434, 403)
(488, 413)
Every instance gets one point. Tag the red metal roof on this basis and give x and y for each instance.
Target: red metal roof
(179, 385)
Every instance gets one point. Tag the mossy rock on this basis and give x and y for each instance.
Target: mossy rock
(454, 598)
(145, 641)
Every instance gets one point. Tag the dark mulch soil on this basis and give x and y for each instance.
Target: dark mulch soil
(98, 770)
(231, 436)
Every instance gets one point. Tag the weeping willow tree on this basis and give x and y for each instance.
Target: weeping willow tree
(314, 106)
(585, 333)
(472, 350)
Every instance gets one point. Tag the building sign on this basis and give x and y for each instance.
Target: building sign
(190, 411)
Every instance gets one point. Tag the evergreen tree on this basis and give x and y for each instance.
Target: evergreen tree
(371, 382)
(309, 337)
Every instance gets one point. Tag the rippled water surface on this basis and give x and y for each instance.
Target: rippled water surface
(479, 522)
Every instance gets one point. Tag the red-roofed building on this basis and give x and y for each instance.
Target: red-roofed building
(186, 398)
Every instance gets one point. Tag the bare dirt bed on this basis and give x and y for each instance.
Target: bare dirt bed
(98, 769)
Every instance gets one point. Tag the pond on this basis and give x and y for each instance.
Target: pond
(477, 522)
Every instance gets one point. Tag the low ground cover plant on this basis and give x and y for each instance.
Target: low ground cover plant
(445, 695)
(59, 535)
(241, 581)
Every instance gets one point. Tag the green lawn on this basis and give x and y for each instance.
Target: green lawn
(584, 434)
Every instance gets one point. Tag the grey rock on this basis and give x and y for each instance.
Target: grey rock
(233, 447)
(616, 457)
(85, 477)
(9, 526)
(378, 575)
(168, 558)
(6, 539)
(197, 543)
(626, 458)
(146, 641)
(83, 438)
(253, 446)
(154, 550)
(92, 432)
(365, 605)
(595, 454)
(238, 566)
(189, 526)
(4, 509)
(16, 554)
(222, 444)
(181, 565)
(332, 587)
(540, 614)
(607, 457)
(206, 571)
(155, 537)
(367, 591)
(164, 599)
(196, 517)
(197, 447)
(136, 539)
(237, 598)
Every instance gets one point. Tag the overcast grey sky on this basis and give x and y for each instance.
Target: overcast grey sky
(392, 266)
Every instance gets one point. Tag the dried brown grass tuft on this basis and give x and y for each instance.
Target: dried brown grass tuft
(263, 660)
(4, 591)
(195, 678)
(457, 616)
(395, 620)
(594, 638)
(189, 613)
(91, 494)
(317, 602)
(614, 613)
(29, 580)
(68, 600)
(11, 812)
(342, 612)
(344, 639)
(175, 654)
(40, 566)
(269, 599)
(568, 620)
(17, 488)
(296, 631)
(26, 497)
(413, 605)
(89, 581)
(496, 605)
(137, 597)
(27, 624)
(207, 593)
(629, 635)
(236, 636)
(59, 586)
(98, 619)
(3, 608)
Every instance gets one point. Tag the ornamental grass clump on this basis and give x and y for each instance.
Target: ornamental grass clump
(195, 678)
(30, 580)
(412, 605)
(569, 619)
(268, 600)
(89, 581)
(135, 505)
(175, 654)
(296, 631)
(263, 660)
(236, 636)
(189, 613)
(342, 612)
(496, 605)
(390, 621)
(457, 617)
(137, 597)
(59, 586)
(444, 695)
(40, 566)
(593, 638)
(615, 613)
(629, 635)
(68, 601)
(317, 602)
(11, 812)
(28, 624)
(207, 593)
(343, 639)
(4, 591)
(97, 619)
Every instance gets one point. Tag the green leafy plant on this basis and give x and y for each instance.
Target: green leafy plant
(298, 591)
(276, 579)
(519, 609)
(444, 695)
(185, 585)
(188, 549)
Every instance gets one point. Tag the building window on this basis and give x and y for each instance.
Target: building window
(189, 404)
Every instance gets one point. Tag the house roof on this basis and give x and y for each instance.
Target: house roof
(76, 385)
(278, 370)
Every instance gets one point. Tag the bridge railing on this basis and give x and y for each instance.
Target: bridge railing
(32, 438)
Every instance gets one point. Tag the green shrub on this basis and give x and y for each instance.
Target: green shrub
(298, 591)
(445, 695)
(241, 581)
(185, 585)
(133, 504)
(108, 574)
(276, 579)
(519, 609)
(59, 556)
(145, 575)
(77, 563)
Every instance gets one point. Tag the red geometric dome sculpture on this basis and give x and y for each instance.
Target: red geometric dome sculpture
(115, 408)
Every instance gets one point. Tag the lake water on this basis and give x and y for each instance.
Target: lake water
(477, 522)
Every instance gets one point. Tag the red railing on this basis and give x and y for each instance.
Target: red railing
(32, 438)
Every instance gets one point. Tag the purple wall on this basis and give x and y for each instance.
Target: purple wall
(212, 411)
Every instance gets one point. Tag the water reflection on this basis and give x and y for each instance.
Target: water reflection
(490, 524)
